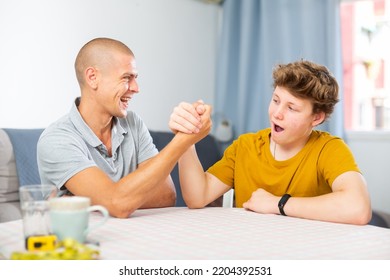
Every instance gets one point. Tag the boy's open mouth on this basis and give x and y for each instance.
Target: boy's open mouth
(278, 128)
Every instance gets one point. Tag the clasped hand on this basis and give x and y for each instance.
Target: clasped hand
(191, 119)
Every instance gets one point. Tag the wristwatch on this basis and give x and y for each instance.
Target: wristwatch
(283, 202)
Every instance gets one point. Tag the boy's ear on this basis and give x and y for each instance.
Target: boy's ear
(319, 118)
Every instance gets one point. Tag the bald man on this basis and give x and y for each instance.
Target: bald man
(102, 150)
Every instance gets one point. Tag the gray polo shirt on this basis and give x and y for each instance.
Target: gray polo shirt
(69, 146)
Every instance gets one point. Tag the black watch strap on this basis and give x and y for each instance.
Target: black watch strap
(283, 202)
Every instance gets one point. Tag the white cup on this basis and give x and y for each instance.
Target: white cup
(69, 217)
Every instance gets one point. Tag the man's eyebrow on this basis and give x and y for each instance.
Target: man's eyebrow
(135, 75)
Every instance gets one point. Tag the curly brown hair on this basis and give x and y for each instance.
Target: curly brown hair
(308, 80)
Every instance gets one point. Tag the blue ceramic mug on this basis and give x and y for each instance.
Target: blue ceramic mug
(69, 217)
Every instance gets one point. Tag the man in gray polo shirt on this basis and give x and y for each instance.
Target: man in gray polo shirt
(102, 150)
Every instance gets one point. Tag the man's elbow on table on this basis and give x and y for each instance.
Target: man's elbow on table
(123, 208)
(121, 213)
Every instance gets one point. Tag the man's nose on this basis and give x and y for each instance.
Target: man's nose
(133, 86)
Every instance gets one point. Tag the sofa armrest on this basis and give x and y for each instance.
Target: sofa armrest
(9, 183)
(10, 211)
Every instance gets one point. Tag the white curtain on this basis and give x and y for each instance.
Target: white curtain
(256, 35)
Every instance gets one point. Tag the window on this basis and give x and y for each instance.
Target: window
(365, 29)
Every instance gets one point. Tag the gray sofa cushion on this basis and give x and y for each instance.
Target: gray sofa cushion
(10, 211)
(24, 143)
(7, 159)
(9, 184)
(9, 189)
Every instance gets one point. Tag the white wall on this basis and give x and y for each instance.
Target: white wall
(174, 42)
(372, 153)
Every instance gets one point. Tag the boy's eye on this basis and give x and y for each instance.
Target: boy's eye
(292, 108)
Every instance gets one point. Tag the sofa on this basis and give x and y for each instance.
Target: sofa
(10, 180)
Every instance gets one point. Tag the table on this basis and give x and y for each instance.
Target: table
(216, 233)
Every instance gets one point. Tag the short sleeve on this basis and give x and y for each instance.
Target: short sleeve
(224, 168)
(335, 159)
(60, 156)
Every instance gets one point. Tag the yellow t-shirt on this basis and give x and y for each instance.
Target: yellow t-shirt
(248, 164)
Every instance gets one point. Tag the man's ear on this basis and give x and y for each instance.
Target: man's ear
(91, 77)
(319, 118)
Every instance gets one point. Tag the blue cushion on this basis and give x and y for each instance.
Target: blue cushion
(24, 143)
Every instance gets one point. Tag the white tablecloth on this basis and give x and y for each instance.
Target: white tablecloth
(222, 233)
